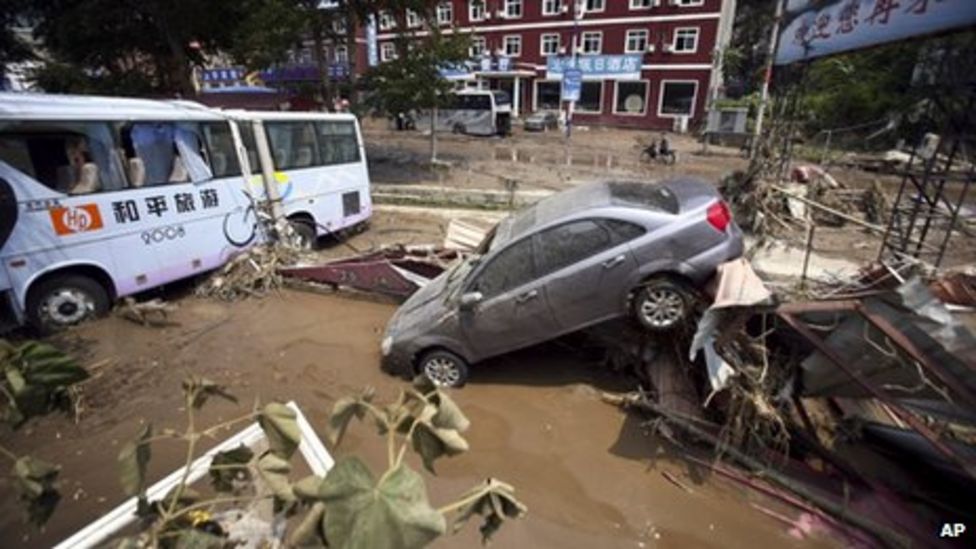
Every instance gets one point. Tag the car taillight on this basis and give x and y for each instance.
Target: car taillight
(719, 215)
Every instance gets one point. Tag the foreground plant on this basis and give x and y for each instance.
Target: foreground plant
(35, 379)
(348, 507)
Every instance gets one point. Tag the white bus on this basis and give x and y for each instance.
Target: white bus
(106, 197)
(473, 112)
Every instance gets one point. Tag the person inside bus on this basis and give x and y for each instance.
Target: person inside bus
(80, 176)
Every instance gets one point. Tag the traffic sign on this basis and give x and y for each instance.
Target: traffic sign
(572, 84)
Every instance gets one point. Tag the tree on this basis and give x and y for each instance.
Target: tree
(746, 53)
(12, 48)
(414, 80)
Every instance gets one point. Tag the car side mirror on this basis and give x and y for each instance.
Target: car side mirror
(469, 300)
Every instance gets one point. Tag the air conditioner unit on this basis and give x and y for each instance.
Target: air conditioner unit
(673, 3)
(667, 48)
(564, 8)
(657, 3)
(562, 50)
(651, 48)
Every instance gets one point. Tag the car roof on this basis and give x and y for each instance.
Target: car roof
(588, 196)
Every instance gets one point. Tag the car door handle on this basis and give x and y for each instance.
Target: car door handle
(611, 263)
(522, 298)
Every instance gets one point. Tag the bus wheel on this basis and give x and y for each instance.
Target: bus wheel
(64, 301)
(304, 234)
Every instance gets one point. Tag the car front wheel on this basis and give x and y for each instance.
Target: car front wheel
(661, 304)
(444, 368)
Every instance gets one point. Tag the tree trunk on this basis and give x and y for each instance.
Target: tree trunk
(177, 66)
(325, 90)
(433, 135)
(351, 25)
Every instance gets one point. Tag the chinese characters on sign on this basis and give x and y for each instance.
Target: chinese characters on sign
(619, 67)
(815, 29)
(128, 211)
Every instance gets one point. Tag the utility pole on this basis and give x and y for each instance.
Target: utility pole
(578, 7)
(764, 93)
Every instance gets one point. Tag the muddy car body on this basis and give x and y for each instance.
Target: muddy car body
(580, 257)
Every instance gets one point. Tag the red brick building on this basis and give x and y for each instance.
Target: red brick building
(674, 42)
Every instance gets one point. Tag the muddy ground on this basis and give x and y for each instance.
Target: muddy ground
(589, 474)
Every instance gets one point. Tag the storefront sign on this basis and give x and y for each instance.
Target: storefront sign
(616, 67)
(572, 84)
(372, 46)
(815, 28)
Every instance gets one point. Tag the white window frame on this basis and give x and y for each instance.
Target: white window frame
(641, 4)
(413, 19)
(687, 3)
(535, 92)
(542, 44)
(674, 39)
(388, 51)
(476, 10)
(552, 7)
(483, 43)
(601, 9)
(509, 4)
(660, 98)
(505, 41)
(647, 40)
(386, 20)
(582, 43)
(445, 8)
(339, 26)
(340, 57)
(579, 105)
(647, 94)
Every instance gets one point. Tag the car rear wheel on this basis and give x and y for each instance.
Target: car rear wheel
(63, 301)
(304, 234)
(661, 304)
(444, 368)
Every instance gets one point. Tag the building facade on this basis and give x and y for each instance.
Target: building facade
(644, 63)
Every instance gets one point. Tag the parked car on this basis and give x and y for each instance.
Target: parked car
(541, 121)
(572, 260)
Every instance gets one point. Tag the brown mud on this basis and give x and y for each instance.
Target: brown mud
(589, 474)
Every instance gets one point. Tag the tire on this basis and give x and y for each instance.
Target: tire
(646, 157)
(444, 368)
(305, 237)
(458, 129)
(661, 304)
(63, 301)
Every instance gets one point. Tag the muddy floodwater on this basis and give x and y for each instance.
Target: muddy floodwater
(589, 474)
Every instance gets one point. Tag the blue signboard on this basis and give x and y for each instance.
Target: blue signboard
(338, 71)
(572, 84)
(617, 67)
(372, 46)
(814, 29)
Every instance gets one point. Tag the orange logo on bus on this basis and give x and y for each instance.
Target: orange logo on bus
(76, 219)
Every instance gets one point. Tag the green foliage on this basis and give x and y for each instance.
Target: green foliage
(389, 513)
(495, 502)
(281, 427)
(133, 459)
(36, 378)
(36, 484)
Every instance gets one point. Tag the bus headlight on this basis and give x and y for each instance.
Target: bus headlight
(386, 345)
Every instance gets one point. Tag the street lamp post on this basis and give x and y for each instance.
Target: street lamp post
(578, 7)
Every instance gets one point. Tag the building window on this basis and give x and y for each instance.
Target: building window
(636, 41)
(341, 54)
(688, 3)
(445, 13)
(547, 95)
(592, 42)
(551, 7)
(685, 40)
(387, 51)
(677, 98)
(478, 46)
(549, 44)
(591, 97)
(413, 19)
(513, 45)
(641, 4)
(630, 98)
(476, 10)
(339, 26)
(386, 20)
(594, 5)
(513, 9)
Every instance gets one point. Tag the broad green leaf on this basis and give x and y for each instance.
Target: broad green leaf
(309, 488)
(281, 429)
(274, 471)
(36, 483)
(392, 515)
(201, 389)
(133, 459)
(309, 532)
(229, 466)
(495, 502)
(432, 443)
(449, 415)
(16, 381)
(344, 410)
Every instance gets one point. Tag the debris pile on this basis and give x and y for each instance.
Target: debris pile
(858, 408)
(253, 273)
